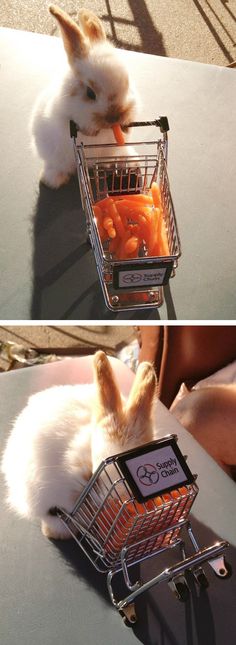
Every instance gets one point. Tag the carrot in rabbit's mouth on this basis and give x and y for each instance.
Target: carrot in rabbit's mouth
(118, 134)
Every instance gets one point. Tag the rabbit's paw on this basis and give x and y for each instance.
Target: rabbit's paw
(53, 178)
(53, 529)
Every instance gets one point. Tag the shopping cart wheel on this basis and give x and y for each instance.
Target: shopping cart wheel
(128, 615)
(180, 588)
(182, 591)
(201, 578)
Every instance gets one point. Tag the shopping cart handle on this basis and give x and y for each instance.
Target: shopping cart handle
(73, 129)
(161, 123)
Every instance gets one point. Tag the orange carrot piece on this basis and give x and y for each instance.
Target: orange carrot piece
(113, 212)
(143, 226)
(132, 205)
(161, 247)
(120, 254)
(113, 245)
(123, 211)
(139, 198)
(153, 229)
(183, 490)
(112, 232)
(134, 229)
(131, 245)
(102, 203)
(118, 134)
(107, 223)
(156, 195)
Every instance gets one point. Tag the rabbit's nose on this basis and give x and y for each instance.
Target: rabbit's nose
(113, 116)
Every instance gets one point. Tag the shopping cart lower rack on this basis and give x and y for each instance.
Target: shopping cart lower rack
(134, 507)
(111, 170)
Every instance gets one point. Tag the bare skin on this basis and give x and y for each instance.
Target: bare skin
(209, 414)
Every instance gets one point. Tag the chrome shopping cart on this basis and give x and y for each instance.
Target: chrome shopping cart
(111, 170)
(135, 507)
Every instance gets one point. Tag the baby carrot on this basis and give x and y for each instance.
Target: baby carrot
(107, 223)
(153, 229)
(131, 245)
(161, 247)
(143, 225)
(121, 248)
(132, 205)
(113, 244)
(140, 198)
(102, 203)
(113, 212)
(111, 232)
(133, 228)
(123, 211)
(155, 190)
(118, 134)
(183, 490)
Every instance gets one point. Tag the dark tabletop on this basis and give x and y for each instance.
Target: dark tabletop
(51, 594)
(47, 267)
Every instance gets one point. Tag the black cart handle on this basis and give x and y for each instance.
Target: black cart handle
(161, 123)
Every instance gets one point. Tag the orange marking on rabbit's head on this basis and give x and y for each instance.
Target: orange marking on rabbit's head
(115, 113)
(91, 25)
(118, 113)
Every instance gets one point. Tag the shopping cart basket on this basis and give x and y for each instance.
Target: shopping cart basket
(109, 170)
(134, 507)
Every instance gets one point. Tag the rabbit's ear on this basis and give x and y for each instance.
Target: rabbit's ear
(91, 25)
(142, 393)
(75, 41)
(109, 398)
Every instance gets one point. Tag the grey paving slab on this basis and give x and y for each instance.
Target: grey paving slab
(200, 30)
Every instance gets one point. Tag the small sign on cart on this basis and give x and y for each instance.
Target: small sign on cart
(155, 468)
(141, 275)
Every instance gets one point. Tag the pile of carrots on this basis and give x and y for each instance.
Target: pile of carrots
(128, 522)
(133, 224)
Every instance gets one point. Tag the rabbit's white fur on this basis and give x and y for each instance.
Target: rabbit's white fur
(92, 62)
(63, 434)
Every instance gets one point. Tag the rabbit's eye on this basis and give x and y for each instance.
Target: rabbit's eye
(91, 94)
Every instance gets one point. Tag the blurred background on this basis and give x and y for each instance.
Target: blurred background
(30, 344)
(196, 30)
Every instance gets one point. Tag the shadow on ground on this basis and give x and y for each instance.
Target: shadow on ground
(65, 282)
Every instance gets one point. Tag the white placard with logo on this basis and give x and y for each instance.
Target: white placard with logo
(155, 468)
(142, 278)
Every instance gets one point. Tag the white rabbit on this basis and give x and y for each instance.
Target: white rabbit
(94, 91)
(64, 433)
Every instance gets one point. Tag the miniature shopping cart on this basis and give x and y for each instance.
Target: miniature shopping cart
(110, 170)
(135, 507)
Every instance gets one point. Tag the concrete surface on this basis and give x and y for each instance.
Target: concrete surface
(197, 30)
(109, 338)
